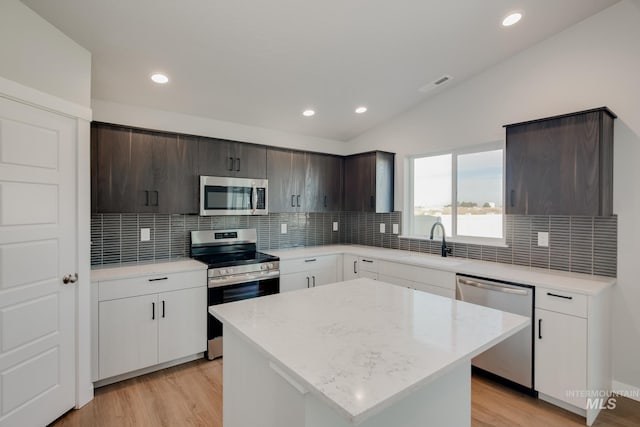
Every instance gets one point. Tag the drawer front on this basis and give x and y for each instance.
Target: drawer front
(368, 264)
(443, 279)
(561, 301)
(145, 285)
(309, 263)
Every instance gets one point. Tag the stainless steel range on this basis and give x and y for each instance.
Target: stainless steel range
(236, 272)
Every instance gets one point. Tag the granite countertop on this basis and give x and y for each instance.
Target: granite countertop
(379, 343)
(150, 268)
(558, 280)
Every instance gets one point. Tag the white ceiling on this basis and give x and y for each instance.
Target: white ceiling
(262, 62)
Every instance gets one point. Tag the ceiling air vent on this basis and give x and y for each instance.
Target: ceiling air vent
(436, 83)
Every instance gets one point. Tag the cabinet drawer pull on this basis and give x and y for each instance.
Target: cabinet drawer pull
(367, 260)
(310, 260)
(153, 311)
(159, 278)
(559, 296)
(238, 167)
(539, 329)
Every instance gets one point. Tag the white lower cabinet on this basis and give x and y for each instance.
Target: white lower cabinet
(308, 272)
(133, 331)
(572, 360)
(128, 335)
(424, 279)
(358, 266)
(560, 356)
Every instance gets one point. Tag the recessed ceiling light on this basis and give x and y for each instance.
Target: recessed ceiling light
(308, 113)
(159, 78)
(511, 19)
(361, 110)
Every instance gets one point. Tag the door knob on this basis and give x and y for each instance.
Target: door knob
(70, 278)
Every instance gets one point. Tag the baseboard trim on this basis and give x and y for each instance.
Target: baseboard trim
(144, 371)
(564, 405)
(626, 390)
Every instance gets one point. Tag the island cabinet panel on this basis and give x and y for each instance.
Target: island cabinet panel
(220, 157)
(143, 321)
(141, 171)
(369, 181)
(561, 165)
(304, 182)
(308, 272)
(572, 349)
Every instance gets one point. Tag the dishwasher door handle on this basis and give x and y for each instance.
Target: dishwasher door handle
(493, 287)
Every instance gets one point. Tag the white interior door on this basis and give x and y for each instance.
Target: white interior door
(37, 248)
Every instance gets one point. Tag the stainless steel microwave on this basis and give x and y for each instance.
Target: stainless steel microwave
(233, 196)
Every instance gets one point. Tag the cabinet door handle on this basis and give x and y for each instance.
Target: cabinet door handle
(354, 267)
(539, 329)
(153, 311)
(512, 198)
(298, 200)
(157, 279)
(325, 201)
(293, 200)
(559, 296)
(314, 281)
(157, 198)
(308, 282)
(162, 309)
(238, 167)
(146, 197)
(372, 202)
(230, 164)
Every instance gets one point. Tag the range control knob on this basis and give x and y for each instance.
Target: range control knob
(270, 265)
(223, 271)
(230, 270)
(263, 267)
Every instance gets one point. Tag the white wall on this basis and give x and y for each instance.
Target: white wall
(106, 111)
(36, 54)
(592, 64)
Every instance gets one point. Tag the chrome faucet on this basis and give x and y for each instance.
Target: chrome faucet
(444, 249)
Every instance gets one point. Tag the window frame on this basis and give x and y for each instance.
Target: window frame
(455, 153)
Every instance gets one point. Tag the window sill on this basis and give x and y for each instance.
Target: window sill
(498, 243)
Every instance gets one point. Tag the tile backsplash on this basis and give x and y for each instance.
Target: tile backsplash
(577, 244)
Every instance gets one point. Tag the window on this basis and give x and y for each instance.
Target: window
(471, 178)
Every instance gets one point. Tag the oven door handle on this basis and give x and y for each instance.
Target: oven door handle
(242, 278)
(254, 198)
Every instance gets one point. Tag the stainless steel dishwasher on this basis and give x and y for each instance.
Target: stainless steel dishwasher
(511, 359)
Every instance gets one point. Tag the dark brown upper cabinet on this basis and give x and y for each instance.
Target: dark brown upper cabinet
(220, 157)
(304, 182)
(368, 182)
(561, 165)
(143, 171)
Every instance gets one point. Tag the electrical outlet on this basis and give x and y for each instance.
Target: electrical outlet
(396, 229)
(145, 234)
(335, 225)
(543, 238)
(283, 228)
(383, 228)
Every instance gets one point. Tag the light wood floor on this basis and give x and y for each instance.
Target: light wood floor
(191, 395)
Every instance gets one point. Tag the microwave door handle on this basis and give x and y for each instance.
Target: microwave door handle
(254, 199)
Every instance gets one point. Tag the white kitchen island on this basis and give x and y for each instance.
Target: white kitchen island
(360, 352)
